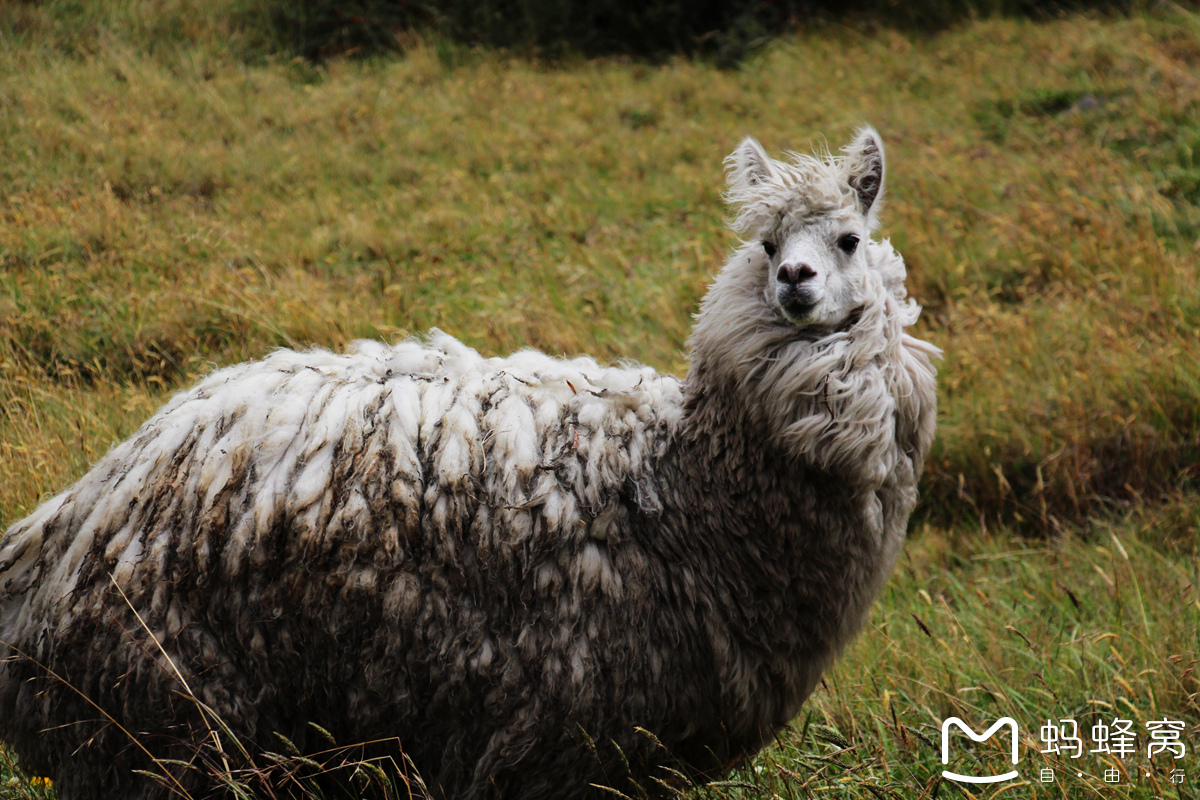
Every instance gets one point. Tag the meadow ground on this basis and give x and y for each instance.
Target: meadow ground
(170, 203)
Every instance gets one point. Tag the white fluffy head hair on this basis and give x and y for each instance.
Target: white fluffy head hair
(808, 301)
(810, 214)
(762, 189)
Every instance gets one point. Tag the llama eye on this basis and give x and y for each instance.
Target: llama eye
(848, 243)
(770, 248)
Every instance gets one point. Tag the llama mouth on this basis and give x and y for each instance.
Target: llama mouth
(797, 303)
(796, 312)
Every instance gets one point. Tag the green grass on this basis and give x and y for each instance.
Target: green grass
(982, 627)
(171, 208)
(175, 198)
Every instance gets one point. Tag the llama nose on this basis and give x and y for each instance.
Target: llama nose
(795, 273)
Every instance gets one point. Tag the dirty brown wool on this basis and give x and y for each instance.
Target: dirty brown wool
(506, 565)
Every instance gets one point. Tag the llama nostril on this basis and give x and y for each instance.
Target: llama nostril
(791, 273)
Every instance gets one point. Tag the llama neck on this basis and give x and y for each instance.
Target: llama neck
(785, 560)
(788, 544)
(795, 468)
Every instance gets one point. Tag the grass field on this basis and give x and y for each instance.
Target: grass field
(171, 202)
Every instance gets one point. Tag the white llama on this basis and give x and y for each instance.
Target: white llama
(503, 566)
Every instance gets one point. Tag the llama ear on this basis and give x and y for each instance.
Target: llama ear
(865, 168)
(748, 166)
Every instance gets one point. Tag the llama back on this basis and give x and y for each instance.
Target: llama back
(308, 497)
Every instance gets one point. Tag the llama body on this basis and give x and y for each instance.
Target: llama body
(506, 565)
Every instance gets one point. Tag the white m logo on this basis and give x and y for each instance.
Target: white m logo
(978, 738)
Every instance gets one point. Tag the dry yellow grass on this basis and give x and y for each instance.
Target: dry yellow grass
(165, 211)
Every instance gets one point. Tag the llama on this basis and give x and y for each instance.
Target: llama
(508, 566)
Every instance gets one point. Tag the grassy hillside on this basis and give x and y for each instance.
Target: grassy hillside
(168, 204)
(168, 210)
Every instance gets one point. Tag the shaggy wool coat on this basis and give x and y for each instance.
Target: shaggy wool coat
(509, 567)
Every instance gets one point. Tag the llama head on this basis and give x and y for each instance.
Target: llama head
(810, 219)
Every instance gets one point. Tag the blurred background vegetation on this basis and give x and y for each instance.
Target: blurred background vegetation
(185, 184)
(717, 29)
(185, 188)
(722, 31)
